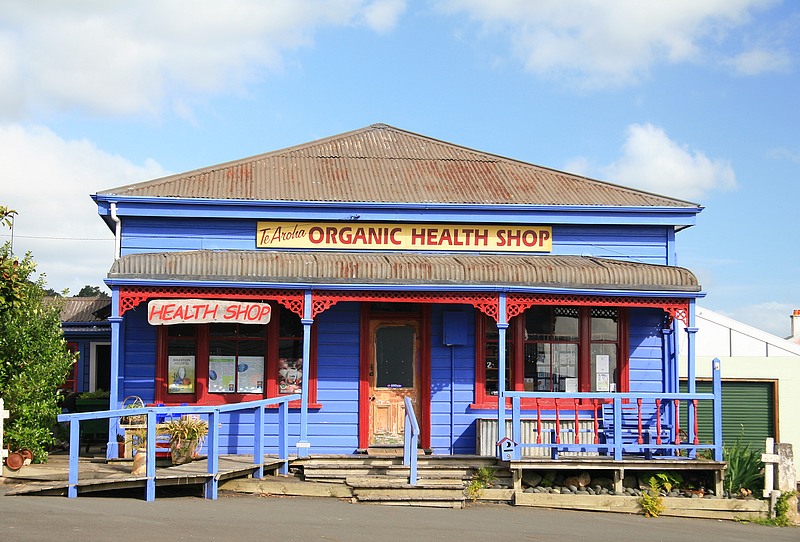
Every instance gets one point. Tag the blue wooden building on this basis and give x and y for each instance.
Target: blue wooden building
(84, 323)
(507, 301)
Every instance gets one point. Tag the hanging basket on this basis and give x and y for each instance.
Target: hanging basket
(133, 401)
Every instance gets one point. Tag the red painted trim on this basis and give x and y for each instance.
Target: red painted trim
(131, 297)
(486, 302)
(201, 395)
(584, 349)
(482, 401)
(424, 377)
(71, 382)
(624, 356)
(363, 383)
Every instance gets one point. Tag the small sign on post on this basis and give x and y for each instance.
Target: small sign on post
(507, 449)
(779, 475)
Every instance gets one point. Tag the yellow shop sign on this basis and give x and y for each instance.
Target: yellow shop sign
(380, 236)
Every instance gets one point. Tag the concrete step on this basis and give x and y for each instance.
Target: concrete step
(393, 491)
(399, 483)
(286, 485)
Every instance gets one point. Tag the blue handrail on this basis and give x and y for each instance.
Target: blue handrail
(614, 437)
(410, 437)
(214, 419)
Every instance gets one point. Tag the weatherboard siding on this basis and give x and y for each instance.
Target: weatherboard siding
(460, 361)
(646, 347)
(333, 427)
(644, 244)
(139, 367)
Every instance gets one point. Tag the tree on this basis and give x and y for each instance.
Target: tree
(91, 291)
(34, 359)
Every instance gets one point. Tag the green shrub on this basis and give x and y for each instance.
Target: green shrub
(34, 359)
(745, 469)
(652, 504)
(482, 478)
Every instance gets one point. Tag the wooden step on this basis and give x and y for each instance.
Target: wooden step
(444, 468)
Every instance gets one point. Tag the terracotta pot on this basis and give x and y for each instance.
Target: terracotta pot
(140, 463)
(15, 460)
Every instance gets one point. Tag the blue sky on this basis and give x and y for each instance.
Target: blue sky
(696, 100)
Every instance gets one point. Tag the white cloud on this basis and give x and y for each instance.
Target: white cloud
(120, 57)
(382, 15)
(607, 43)
(651, 161)
(758, 61)
(782, 153)
(48, 181)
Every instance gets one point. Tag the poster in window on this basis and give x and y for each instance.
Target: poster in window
(601, 366)
(221, 374)
(290, 375)
(251, 374)
(180, 374)
(601, 363)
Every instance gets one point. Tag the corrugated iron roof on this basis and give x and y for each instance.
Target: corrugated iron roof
(577, 272)
(83, 309)
(384, 164)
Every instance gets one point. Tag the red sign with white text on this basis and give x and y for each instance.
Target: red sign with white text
(204, 311)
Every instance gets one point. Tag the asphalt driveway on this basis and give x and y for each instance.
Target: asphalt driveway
(180, 515)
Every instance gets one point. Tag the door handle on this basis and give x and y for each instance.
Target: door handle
(372, 398)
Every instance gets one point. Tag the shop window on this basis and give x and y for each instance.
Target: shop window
(603, 350)
(224, 362)
(553, 349)
(181, 358)
(236, 355)
(289, 375)
(491, 357)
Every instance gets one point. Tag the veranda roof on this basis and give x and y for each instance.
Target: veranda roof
(388, 269)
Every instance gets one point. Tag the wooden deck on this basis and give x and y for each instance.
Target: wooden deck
(100, 475)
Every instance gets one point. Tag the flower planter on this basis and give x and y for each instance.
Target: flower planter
(183, 451)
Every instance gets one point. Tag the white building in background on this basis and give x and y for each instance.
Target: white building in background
(795, 337)
(760, 378)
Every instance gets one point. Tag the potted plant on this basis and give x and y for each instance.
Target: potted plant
(138, 440)
(185, 435)
(120, 446)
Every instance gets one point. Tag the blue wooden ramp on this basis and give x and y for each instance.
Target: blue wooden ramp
(115, 475)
